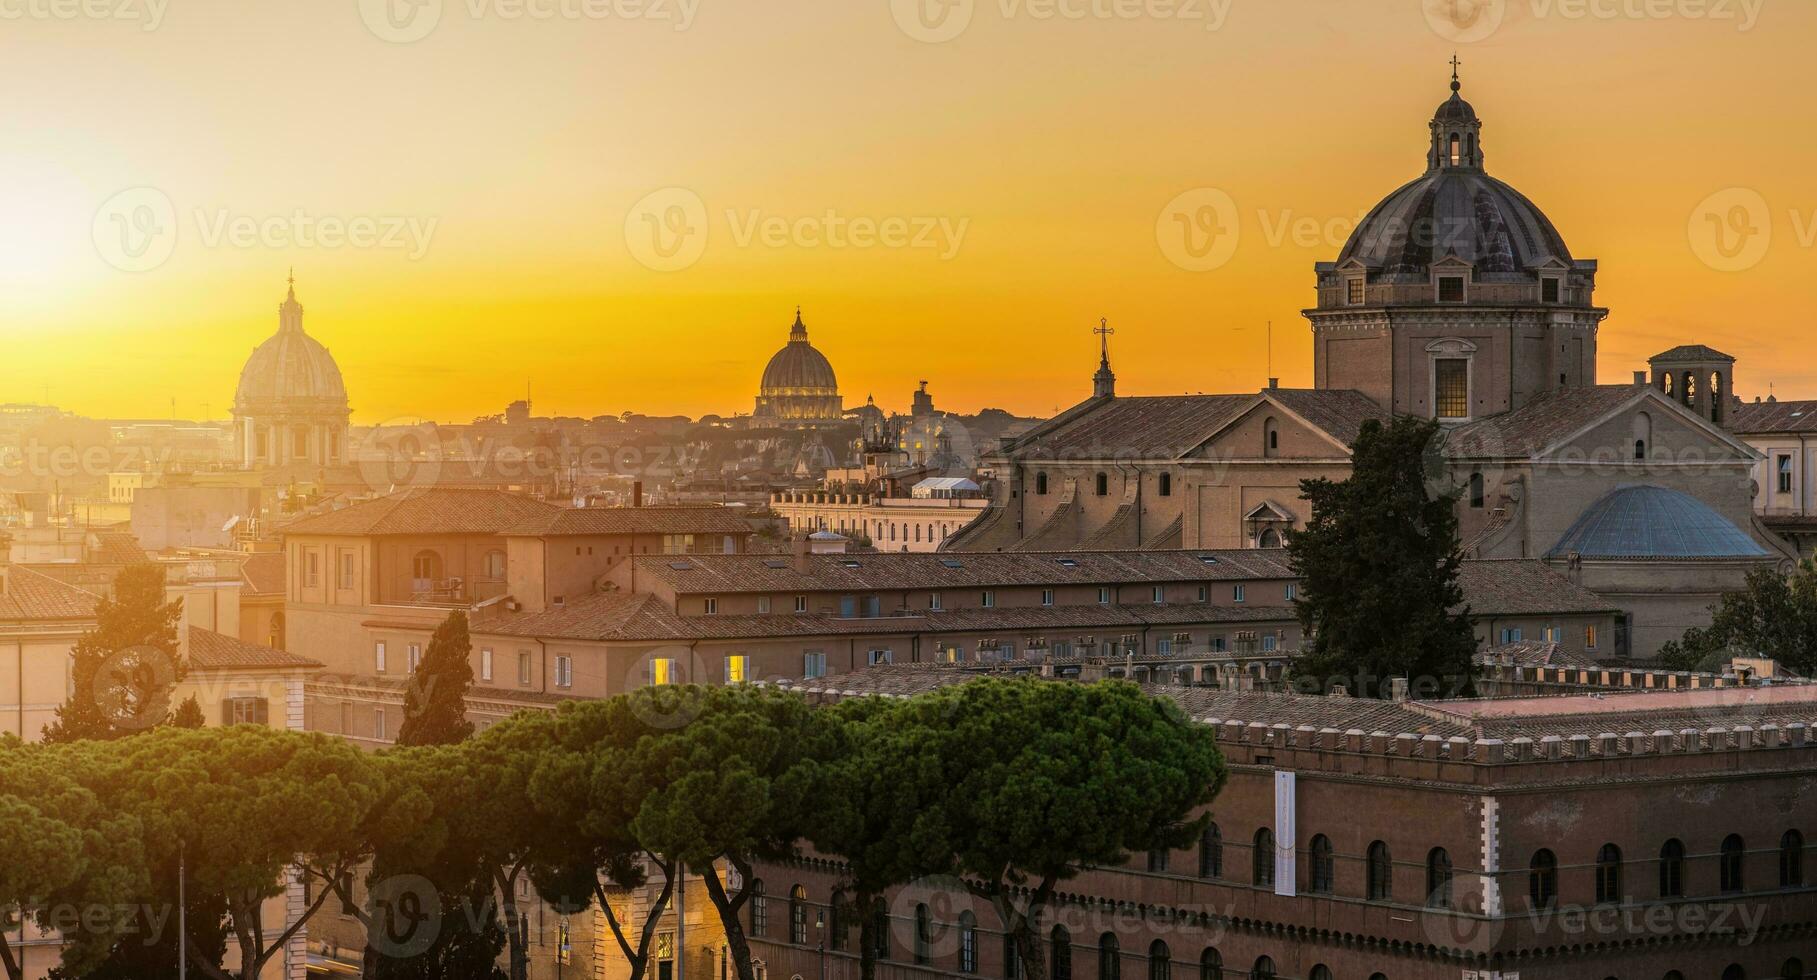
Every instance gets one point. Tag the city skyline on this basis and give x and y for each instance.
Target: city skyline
(1000, 228)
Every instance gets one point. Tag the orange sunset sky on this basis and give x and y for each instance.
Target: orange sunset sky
(523, 140)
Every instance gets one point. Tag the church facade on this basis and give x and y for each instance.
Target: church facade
(1455, 299)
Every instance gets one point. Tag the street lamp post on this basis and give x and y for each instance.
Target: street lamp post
(820, 939)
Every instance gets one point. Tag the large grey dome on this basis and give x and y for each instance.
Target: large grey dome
(798, 368)
(1455, 211)
(290, 371)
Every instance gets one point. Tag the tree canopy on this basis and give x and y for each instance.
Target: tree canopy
(1378, 565)
(1773, 615)
(123, 670)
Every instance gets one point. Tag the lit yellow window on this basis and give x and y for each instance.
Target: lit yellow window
(662, 672)
(738, 669)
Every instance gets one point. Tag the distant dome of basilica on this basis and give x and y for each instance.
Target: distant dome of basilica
(1455, 209)
(289, 371)
(799, 386)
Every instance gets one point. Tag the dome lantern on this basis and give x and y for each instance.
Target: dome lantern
(1456, 132)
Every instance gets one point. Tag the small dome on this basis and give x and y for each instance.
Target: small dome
(1654, 522)
(799, 366)
(1455, 109)
(290, 371)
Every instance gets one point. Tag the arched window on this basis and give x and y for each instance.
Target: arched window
(1438, 879)
(1672, 869)
(835, 922)
(426, 570)
(1103, 484)
(968, 942)
(1263, 969)
(1160, 961)
(493, 568)
(1608, 874)
(1157, 860)
(1791, 860)
(1381, 873)
(1270, 538)
(1665, 384)
(1716, 398)
(1792, 970)
(1109, 965)
(1734, 856)
(1165, 483)
(1542, 880)
(1477, 495)
(1211, 852)
(1643, 434)
(924, 934)
(880, 928)
(1735, 972)
(1322, 871)
(1687, 391)
(1060, 954)
(1271, 437)
(1041, 483)
(275, 639)
(1211, 964)
(760, 911)
(1262, 858)
(798, 915)
(1456, 150)
(1319, 972)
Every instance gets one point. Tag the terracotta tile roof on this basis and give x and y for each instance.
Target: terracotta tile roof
(117, 548)
(1691, 352)
(32, 596)
(264, 573)
(711, 519)
(1340, 412)
(209, 650)
(438, 510)
(1535, 653)
(1539, 424)
(1763, 417)
(1163, 427)
(1524, 587)
(866, 572)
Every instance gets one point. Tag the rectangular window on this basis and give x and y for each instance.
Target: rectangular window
(933, 600)
(1157, 595)
(1590, 637)
(1216, 643)
(1451, 388)
(989, 600)
(1554, 634)
(1238, 593)
(848, 607)
(1548, 289)
(378, 656)
(312, 575)
(523, 667)
(1268, 642)
(1785, 474)
(801, 604)
(738, 669)
(413, 656)
(712, 606)
(1047, 597)
(1164, 647)
(347, 570)
(1511, 634)
(1355, 291)
(245, 711)
(662, 672)
(1204, 593)
(1103, 596)
(564, 671)
(877, 658)
(1451, 289)
(813, 664)
(378, 724)
(763, 604)
(1291, 591)
(485, 663)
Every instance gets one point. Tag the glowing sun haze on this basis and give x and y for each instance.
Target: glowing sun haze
(1025, 163)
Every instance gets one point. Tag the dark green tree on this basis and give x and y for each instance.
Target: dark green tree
(435, 701)
(189, 714)
(124, 668)
(1048, 780)
(1378, 567)
(1773, 615)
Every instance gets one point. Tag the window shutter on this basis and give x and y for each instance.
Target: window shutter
(261, 711)
(226, 712)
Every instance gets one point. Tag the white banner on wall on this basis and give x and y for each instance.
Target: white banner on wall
(1286, 832)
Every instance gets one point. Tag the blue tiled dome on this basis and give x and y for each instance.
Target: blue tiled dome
(1653, 522)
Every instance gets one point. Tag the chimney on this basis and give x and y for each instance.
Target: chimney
(637, 494)
(1273, 383)
(1640, 379)
(1397, 688)
(804, 556)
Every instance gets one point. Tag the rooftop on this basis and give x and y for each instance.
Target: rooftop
(1538, 425)
(1759, 418)
(31, 596)
(209, 650)
(706, 519)
(1653, 522)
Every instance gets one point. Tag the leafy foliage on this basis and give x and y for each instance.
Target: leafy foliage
(1378, 564)
(125, 667)
(1773, 615)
